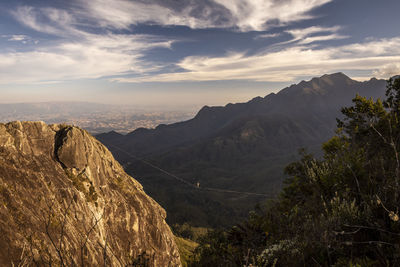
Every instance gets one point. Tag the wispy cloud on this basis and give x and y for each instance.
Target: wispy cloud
(267, 35)
(87, 45)
(20, 38)
(299, 34)
(388, 70)
(36, 19)
(258, 15)
(320, 38)
(245, 15)
(95, 57)
(315, 34)
(76, 54)
(378, 57)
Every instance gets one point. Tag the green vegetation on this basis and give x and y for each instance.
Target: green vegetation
(186, 249)
(189, 232)
(251, 171)
(186, 238)
(340, 210)
(81, 182)
(240, 147)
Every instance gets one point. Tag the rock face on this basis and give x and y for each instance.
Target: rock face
(65, 201)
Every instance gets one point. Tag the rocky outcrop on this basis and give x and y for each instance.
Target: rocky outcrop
(65, 201)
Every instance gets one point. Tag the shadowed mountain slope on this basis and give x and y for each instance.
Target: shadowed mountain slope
(319, 98)
(241, 146)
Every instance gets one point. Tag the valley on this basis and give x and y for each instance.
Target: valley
(218, 175)
(242, 147)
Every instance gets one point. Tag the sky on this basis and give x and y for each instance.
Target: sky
(188, 52)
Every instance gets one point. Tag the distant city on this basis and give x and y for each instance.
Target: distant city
(93, 117)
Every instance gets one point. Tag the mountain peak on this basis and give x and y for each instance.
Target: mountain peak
(320, 85)
(339, 75)
(336, 78)
(206, 111)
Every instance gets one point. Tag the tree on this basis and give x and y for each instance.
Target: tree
(344, 208)
(339, 210)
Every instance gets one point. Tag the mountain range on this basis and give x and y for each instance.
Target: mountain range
(241, 147)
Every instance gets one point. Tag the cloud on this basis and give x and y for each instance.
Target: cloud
(88, 47)
(375, 57)
(20, 38)
(122, 14)
(320, 38)
(67, 62)
(299, 34)
(75, 54)
(53, 21)
(314, 34)
(35, 19)
(257, 15)
(387, 70)
(305, 36)
(80, 53)
(245, 15)
(267, 35)
(94, 57)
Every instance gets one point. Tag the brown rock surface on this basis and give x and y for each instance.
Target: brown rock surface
(64, 200)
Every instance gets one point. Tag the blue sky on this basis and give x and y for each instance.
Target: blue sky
(193, 52)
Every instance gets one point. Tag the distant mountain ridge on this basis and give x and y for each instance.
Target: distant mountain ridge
(239, 146)
(325, 94)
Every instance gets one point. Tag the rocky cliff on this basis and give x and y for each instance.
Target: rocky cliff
(65, 201)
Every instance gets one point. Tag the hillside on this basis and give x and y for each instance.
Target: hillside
(65, 201)
(337, 210)
(322, 95)
(240, 146)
